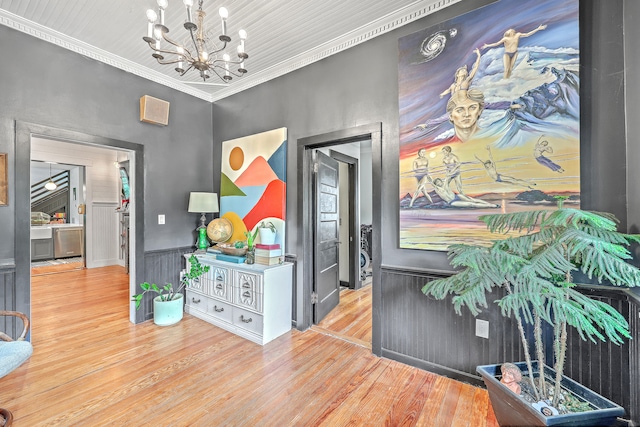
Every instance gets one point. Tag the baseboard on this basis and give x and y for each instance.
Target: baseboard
(435, 368)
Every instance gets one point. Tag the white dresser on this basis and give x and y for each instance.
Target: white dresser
(252, 301)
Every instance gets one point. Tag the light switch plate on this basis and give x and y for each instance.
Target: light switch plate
(482, 328)
(161, 219)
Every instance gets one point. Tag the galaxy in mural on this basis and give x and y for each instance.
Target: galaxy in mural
(489, 119)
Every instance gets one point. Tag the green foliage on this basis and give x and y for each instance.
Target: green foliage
(251, 237)
(167, 293)
(535, 266)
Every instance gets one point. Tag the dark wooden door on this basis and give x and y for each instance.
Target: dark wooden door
(326, 235)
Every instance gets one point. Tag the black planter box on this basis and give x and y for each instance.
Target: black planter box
(511, 410)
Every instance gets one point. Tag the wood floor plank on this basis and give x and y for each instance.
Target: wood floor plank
(92, 367)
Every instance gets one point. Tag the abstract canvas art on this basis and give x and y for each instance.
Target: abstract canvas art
(254, 180)
(489, 119)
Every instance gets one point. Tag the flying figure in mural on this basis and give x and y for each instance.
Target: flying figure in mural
(421, 171)
(510, 40)
(443, 190)
(463, 78)
(451, 163)
(542, 146)
(490, 168)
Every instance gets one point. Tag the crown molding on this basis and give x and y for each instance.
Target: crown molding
(390, 22)
(47, 34)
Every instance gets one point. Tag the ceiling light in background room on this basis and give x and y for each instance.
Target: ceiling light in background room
(50, 185)
(198, 51)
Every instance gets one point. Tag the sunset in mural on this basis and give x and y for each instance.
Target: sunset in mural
(253, 183)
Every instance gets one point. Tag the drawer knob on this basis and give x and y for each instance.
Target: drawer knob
(219, 286)
(246, 294)
(196, 301)
(246, 285)
(219, 310)
(249, 320)
(219, 278)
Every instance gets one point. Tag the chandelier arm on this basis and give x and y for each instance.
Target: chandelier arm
(212, 52)
(217, 74)
(173, 61)
(225, 70)
(185, 71)
(168, 40)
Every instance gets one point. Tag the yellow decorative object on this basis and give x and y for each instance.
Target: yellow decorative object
(238, 226)
(220, 230)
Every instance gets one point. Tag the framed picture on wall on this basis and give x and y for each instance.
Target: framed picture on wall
(253, 185)
(4, 185)
(489, 119)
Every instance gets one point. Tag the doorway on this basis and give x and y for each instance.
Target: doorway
(306, 220)
(25, 132)
(57, 225)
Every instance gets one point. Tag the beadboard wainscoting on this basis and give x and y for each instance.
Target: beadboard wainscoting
(427, 333)
(9, 324)
(104, 239)
(162, 267)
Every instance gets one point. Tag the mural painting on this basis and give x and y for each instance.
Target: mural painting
(254, 180)
(489, 119)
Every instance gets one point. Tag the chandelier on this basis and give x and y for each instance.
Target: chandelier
(198, 52)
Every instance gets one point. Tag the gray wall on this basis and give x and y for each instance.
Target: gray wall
(358, 86)
(44, 84)
(632, 99)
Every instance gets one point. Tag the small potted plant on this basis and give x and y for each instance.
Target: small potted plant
(168, 305)
(251, 238)
(267, 232)
(534, 267)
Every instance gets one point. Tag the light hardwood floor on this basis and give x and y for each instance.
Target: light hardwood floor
(91, 367)
(351, 319)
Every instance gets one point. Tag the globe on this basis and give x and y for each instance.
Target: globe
(219, 230)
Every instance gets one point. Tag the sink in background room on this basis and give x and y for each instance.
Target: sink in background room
(41, 232)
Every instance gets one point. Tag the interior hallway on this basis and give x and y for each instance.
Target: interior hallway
(91, 366)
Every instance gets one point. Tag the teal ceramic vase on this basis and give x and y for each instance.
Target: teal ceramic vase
(167, 313)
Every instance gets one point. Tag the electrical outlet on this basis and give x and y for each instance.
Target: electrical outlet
(161, 219)
(482, 328)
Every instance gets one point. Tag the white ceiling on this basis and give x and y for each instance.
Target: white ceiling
(283, 35)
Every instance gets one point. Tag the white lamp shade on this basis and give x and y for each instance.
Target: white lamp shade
(203, 202)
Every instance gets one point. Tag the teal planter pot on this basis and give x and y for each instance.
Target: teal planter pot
(167, 313)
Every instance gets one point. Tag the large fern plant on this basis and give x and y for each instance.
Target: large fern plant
(535, 268)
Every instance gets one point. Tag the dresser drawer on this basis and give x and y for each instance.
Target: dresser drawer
(248, 281)
(245, 297)
(197, 301)
(199, 284)
(221, 290)
(220, 310)
(247, 320)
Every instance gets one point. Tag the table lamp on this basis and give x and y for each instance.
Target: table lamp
(203, 203)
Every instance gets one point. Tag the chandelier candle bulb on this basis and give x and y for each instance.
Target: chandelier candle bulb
(224, 14)
(162, 5)
(188, 4)
(151, 17)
